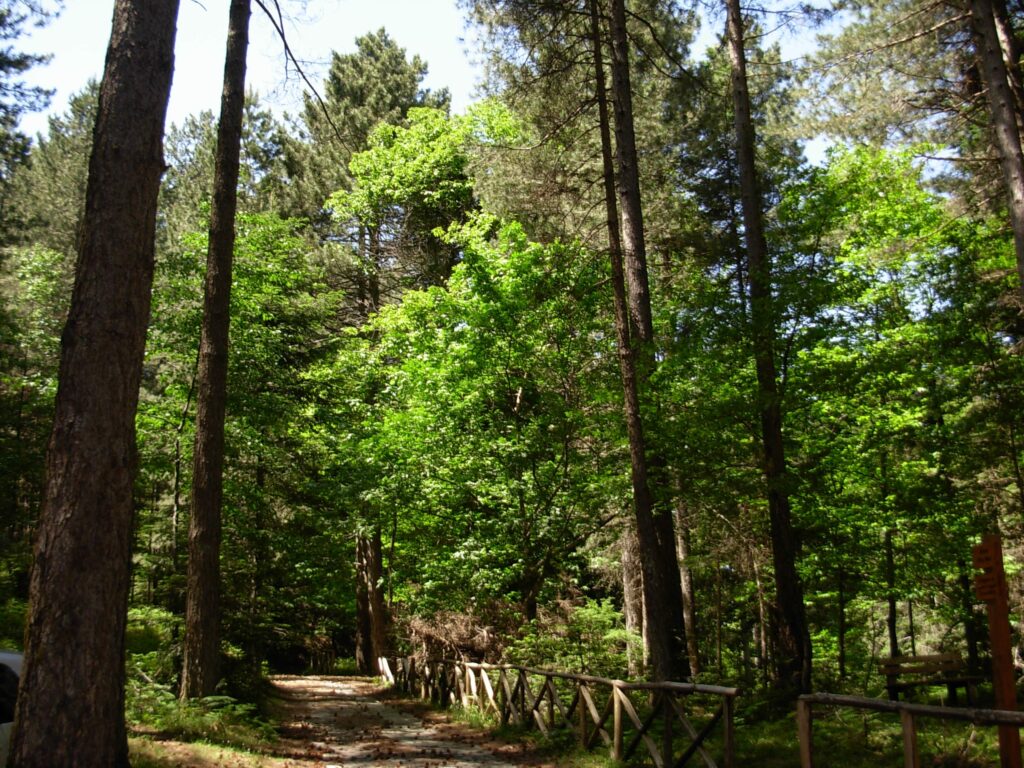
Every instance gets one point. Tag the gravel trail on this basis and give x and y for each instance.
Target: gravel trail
(344, 721)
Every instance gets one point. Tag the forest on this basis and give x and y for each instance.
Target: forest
(602, 375)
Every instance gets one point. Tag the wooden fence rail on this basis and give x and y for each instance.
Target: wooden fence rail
(908, 713)
(621, 716)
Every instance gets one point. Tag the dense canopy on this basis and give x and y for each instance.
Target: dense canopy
(490, 373)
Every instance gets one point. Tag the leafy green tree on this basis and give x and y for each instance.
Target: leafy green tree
(411, 181)
(484, 431)
(882, 397)
(44, 198)
(376, 84)
(16, 96)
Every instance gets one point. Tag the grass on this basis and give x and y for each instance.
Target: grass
(843, 738)
(151, 753)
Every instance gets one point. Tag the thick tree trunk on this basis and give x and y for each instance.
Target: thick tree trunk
(370, 609)
(661, 602)
(201, 669)
(70, 711)
(633, 597)
(1002, 112)
(794, 652)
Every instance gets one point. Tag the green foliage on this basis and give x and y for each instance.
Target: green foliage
(218, 719)
(588, 638)
(151, 691)
(376, 84)
(481, 426)
(12, 623)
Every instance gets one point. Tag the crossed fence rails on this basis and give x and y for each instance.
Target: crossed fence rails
(673, 722)
(909, 715)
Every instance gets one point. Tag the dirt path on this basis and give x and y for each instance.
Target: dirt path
(341, 721)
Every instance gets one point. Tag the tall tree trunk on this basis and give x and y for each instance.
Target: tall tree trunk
(201, 668)
(370, 609)
(1011, 50)
(794, 652)
(70, 711)
(841, 608)
(970, 618)
(1005, 127)
(633, 597)
(378, 605)
(890, 591)
(682, 526)
(671, 608)
(666, 649)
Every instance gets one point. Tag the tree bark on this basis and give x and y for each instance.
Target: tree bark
(794, 652)
(201, 668)
(633, 597)
(841, 608)
(370, 609)
(668, 606)
(1005, 127)
(890, 591)
(1011, 50)
(689, 595)
(70, 711)
(661, 602)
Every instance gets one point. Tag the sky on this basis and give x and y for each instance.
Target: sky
(433, 29)
(77, 39)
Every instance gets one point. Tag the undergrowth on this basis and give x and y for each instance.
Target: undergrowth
(151, 700)
(842, 739)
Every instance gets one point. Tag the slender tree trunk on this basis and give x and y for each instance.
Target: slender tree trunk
(1002, 112)
(719, 619)
(841, 607)
(794, 652)
(378, 606)
(70, 710)
(667, 651)
(682, 527)
(970, 622)
(764, 634)
(201, 668)
(890, 589)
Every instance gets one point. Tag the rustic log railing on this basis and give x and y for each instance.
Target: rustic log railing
(622, 716)
(908, 713)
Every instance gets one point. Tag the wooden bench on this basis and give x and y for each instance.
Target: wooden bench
(905, 672)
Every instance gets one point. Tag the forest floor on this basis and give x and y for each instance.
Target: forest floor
(342, 721)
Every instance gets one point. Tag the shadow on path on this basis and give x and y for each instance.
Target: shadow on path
(342, 721)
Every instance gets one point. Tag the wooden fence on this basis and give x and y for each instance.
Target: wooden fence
(908, 714)
(623, 717)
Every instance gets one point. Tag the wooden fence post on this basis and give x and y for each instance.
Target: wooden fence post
(911, 758)
(524, 681)
(666, 736)
(581, 712)
(617, 721)
(804, 723)
(550, 685)
(729, 732)
(991, 587)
